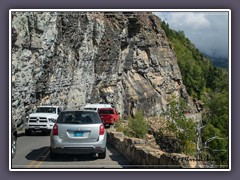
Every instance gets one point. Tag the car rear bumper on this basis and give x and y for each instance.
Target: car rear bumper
(77, 150)
(40, 127)
(57, 146)
(108, 121)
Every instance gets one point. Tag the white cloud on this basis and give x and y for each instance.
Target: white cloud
(207, 30)
(189, 19)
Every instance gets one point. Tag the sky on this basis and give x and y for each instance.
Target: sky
(208, 31)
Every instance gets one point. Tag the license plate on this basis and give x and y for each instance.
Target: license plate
(78, 134)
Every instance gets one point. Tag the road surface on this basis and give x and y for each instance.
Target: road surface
(33, 153)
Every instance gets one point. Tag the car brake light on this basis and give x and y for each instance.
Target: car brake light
(101, 129)
(55, 130)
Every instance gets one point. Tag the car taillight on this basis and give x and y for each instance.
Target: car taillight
(55, 130)
(101, 129)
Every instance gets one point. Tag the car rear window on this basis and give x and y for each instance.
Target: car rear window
(105, 111)
(78, 117)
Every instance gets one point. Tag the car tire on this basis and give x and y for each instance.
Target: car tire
(46, 132)
(53, 155)
(14, 146)
(102, 155)
(28, 132)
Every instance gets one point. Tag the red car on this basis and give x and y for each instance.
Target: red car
(109, 116)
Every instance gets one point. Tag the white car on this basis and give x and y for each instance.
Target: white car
(42, 119)
(95, 107)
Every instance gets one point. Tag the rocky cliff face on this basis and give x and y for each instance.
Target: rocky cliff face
(74, 58)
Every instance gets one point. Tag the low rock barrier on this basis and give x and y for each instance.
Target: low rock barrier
(139, 154)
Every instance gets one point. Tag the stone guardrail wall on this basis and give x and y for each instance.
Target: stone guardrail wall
(139, 154)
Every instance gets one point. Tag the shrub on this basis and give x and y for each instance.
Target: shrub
(121, 126)
(133, 127)
(137, 125)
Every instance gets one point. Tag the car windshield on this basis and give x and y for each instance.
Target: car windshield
(91, 109)
(78, 117)
(46, 110)
(105, 111)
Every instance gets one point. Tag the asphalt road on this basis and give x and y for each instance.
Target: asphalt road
(33, 153)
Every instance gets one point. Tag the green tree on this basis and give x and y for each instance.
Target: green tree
(182, 127)
(204, 82)
(216, 145)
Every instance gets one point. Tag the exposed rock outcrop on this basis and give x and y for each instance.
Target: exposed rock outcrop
(74, 58)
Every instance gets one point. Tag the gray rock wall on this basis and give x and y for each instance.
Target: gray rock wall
(74, 58)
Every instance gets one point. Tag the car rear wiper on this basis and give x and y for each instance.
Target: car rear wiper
(73, 122)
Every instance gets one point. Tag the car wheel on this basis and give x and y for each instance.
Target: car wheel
(28, 132)
(102, 155)
(53, 155)
(46, 132)
(14, 146)
(49, 132)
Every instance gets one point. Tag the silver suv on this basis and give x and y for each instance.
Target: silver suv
(78, 132)
(42, 119)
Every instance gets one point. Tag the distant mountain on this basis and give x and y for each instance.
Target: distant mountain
(218, 61)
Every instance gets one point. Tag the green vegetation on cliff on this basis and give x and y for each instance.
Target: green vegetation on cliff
(209, 84)
(136, 126)
(183, 128)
